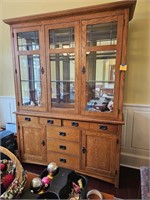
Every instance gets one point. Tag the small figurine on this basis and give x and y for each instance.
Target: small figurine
(46, 181)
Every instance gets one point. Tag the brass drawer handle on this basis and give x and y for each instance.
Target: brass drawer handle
(103, 127)
(62, 133)
(62, 160)
(28, 119)
(49, 121)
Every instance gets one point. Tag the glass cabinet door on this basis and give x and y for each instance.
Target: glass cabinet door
(100, 69)
(62, 54)
(30, 69)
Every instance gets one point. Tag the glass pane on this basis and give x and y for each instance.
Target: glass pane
(102, 34)
(100, 80)
(28, 41)
(61, 38)
(62, 69)
(30, 73)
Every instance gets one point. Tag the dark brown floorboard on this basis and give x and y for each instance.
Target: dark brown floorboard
(129, 187)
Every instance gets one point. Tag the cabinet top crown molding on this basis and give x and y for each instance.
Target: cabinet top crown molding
(125, 4)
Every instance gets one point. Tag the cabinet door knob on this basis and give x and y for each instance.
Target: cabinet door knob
(83, 70)
(62, 160)
(43, 142)
(103, 127)
(83, 150)
(75, 124)
(42, 70)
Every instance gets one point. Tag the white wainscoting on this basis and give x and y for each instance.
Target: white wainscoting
(135, 146)
(135, 149)
(7, 107)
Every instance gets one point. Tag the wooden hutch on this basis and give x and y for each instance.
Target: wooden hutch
(69, 70)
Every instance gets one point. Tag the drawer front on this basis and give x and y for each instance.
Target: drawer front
(104, 127)
(63, 133)
(62, 160)
(76, 124)
(62, 146)
(28, 119)
(50, 121)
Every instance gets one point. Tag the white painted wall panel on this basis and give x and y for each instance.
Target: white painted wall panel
(141, 136)
(136, 151)
(7, 107)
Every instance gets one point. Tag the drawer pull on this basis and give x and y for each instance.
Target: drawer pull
(62, 147)
(62, 160)
(27, 119)
(62, 133)
(103, 127)
(75, 124)
(49, 121)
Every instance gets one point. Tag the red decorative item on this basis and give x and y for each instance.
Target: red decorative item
(2, 166)
(7, 180)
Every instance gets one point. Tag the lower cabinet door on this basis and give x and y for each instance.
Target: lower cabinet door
(32, 143)
(99, 153)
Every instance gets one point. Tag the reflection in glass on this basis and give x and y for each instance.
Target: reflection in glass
(61, 38)
(62, 68)
(102, 34)
(100, 80)
(30, 79)
(28, 41)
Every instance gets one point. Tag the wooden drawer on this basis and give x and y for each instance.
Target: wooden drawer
(50, 121)
(62, 146)
(63, 133)
(28, 119)
(104, 127)
(62, 160)
(76, 124)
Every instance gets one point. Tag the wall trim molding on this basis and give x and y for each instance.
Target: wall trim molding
(7, 97)
(136, 105)
(134, 161)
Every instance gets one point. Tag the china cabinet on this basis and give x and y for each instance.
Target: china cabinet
(69, 69)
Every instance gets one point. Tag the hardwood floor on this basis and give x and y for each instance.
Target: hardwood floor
(129, 182)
